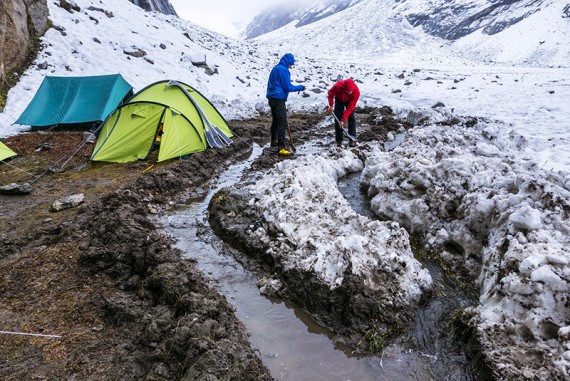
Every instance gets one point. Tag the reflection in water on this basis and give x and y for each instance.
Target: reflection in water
(290, 343)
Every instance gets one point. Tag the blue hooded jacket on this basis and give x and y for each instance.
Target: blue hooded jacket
(279, 84)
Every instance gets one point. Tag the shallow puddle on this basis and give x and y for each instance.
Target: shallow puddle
(290, 343)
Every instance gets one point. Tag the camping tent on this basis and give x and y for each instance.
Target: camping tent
(180, 117)
(5, 152)
(75, 102)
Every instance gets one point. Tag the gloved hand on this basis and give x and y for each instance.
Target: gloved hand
(329, 109)
(303, 87)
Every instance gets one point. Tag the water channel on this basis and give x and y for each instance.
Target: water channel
(290, 343)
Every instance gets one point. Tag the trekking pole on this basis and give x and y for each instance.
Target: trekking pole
(291, 138)
(30, 334)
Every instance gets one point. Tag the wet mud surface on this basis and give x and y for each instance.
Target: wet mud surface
(119, 298)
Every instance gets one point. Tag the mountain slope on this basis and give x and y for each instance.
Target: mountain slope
(367, 31)
(107, 37)
(277, 17)
(530, 32)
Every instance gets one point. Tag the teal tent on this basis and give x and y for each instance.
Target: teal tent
(75, 102)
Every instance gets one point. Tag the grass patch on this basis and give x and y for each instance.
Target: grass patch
(457, 278)
(375, 341)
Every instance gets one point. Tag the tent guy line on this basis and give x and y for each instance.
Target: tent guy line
(30, 334)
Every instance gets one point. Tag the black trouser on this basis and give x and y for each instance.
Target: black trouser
(278, 121)
(339, 108)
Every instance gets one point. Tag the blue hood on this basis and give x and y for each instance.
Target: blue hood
(287, 60)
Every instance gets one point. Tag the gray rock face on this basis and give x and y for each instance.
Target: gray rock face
(20, 21)
(38, 12)
(162, 6)
(455, 19)
(449, 19)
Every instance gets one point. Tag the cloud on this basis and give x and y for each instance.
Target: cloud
(223, 15)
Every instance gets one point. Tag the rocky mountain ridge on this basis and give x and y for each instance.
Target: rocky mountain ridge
(275, 18)
(162, 6)
(455, 19)
(525, 32)
(448, 19)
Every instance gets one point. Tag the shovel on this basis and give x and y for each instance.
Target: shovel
(349, 136)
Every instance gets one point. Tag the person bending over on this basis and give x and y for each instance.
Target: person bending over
(345, 94)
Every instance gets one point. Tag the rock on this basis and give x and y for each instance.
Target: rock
(89, 137)
(135, 53)
(43, 147)
(20, 22)
(43, 66)
(69, 5)
(68, 202)
(16, 189)
(269, 287)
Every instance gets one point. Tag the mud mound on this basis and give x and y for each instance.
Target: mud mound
(164, 305)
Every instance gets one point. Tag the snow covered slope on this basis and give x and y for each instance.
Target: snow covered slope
(529, 32)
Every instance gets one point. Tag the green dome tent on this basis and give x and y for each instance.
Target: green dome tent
(75, 102)
(5, 152)
(180, 117)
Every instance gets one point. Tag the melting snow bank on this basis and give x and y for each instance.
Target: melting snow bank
(500, 218)
(317, 230)
(329, 259)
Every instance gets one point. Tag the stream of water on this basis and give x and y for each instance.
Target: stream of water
(290, 343)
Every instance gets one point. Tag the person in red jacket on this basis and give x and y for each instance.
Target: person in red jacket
(345, 94)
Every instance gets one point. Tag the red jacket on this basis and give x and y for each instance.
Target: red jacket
(347, 92)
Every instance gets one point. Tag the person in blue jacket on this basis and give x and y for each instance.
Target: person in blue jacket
(278, 88)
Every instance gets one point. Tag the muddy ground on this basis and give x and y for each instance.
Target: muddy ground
(103, 279)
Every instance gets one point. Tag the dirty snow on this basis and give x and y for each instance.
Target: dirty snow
(319, 232)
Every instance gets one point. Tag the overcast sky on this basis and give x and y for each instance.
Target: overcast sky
(224, 16)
